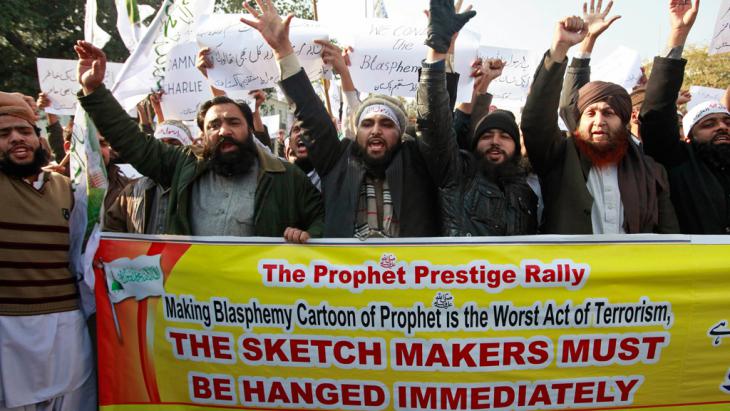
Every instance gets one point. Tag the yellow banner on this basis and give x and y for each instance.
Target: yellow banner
(442, 324)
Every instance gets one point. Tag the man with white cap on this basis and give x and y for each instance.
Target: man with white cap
(699, 171)
(375, 186)
(141, 207)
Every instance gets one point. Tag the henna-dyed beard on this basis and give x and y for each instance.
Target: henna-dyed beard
(605, 154)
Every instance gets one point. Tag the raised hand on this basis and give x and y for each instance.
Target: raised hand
(43, 101)
(444, 23)
(156, 101)
(596, 22)
(259, 97)
(334, 56)
(569, 32)
(486, 71)
(682, 13)
(684, 97)
(492, 68)
(203, 61)
(91, 66)
(273, 29)
(682, 16)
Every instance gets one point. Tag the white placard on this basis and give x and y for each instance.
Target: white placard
(702, 94)
(388, 53)
(243, 61)
(57, 79)
(185, 88)
(720, 42)
(512, 86)
(272, 124)
(622, 66)
(144, 70)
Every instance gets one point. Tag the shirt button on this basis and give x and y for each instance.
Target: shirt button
(225, 195)
(220, 211)
(727, 230)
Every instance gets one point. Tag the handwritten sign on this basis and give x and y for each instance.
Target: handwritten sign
(388, 53)
(623, 67)
(702, 94)
(243, 61)
(184, 86)
(144, 70)
(513, 85)
(720, 42)
(57, 79)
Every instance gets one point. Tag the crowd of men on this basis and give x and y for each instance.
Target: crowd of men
(629, 165)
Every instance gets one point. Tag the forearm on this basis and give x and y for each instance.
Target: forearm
(55, 140)
(346, 80)
(437, 139)
(658, 119)
(586, 46)
(149, 156)
(258, 124)
(479, 110)
(577, 75)
(351, 103)
(542, 135)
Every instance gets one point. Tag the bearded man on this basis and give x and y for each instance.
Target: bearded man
(595, 181)
(699, 172)
(375, 186)
(483, 191)
(232, 188)
(296, 152)
(46, 360)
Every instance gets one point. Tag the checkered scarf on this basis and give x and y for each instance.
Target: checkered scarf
(368, 222)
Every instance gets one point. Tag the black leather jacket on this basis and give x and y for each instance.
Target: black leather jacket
(470, 203)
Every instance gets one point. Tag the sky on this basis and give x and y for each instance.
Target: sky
(529, 24)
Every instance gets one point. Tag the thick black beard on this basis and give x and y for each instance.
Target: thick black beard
(305, 164)
(40, 160)
(235, 163)
(504, 173)
(375, 166)
(716, 156)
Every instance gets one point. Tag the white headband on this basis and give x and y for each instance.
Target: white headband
(699, 112)
(174, 132)
(382, 109)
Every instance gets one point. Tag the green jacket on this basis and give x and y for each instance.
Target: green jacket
(284, 195)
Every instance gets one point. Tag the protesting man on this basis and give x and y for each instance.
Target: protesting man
(296, 152)
(596, 181)
(233, 188)
(141, 206)
(45, 350)
(483, 190)
(699, 172)
(375, 186)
